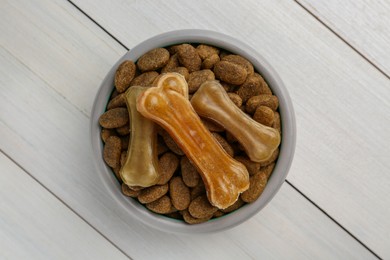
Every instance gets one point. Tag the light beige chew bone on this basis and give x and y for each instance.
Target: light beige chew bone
(167, 105)
(141, 164)
(259, 141)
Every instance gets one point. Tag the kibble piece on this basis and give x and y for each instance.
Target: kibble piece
(191, 220)
(152, 193)
(105, 133)
(200, 207)
(252, 167)
(112, 151)
(125, 142)
(123, 130)
(114, 94)
(127, 191)
(228, 87)
(198, 190)
(239, 60)
(117, 175)
(237, 147)
(145, 79)
(262, 100)
(123, 157)
(264, 88)
(136, 188)
(171, 143)
(189, 173)
(173, 62)
(238, 204)
(173, 209)
(161, 146)
(179, 193)
(173, 49)
(189, 58)
(167, 165)
(209, 62)
(276, 124)
(264, 115)
(256, 187)
(230, 138)
(225, 145)
(236, 99)
(218, 214)
(161, 206)
(124, 75)
(267, 170)
(213, 127)
(205, 51)
(153, 60)
(273, 158)
(197, 78)
(114, 118)
(250, 88)
(181, 70)
(175, 215)
(230, 72)
(118, 101)
(223, 53)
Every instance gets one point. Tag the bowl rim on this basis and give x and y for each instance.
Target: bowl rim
(287, 147)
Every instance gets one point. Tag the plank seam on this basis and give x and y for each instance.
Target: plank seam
(342, 39)
(95, 22)
(332, 219)
(50, 86)
(63, 202)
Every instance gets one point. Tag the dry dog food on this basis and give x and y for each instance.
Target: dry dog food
(180, 191)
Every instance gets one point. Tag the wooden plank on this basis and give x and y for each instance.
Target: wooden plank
(96, 52)
(48, 136)
(36, 225)
(342, 102)
(364, 24)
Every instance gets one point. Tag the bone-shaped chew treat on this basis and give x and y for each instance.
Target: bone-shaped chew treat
(167, 105)
(259, 141)
(141, 164)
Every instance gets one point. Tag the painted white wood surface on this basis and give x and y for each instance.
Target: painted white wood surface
(46, 132)
(364, 24)
(79, 60)
(36, 225)
(342, 102)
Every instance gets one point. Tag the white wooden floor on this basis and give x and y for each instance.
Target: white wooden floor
(334, 57)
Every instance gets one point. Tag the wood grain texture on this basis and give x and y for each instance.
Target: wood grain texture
(342, 102)
(71, 71)
(48, 135)
(36, 225)
(364, 24)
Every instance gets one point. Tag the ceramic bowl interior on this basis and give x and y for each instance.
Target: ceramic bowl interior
(138, 212)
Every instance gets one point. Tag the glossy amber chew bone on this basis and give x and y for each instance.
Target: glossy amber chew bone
(141, 164)
(224, 177)
(172, 81)
(259, 141)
